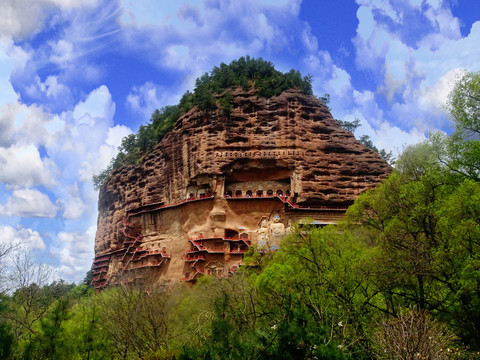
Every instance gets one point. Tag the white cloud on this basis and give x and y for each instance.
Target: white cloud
(29, 203)
(7, 117)
(394, 139)
(40, 148)
(366, 106)
(54, 125)
(194, 36)
(21, 166)
(73, 206)
(51, 87)
(9, 97)
(116, 134)
(435, 97)
(98, 106)
(148, 97)
(24, 237)
(63, 52)
(95, 164)
(309, 41)
(378, 125)
(75, 253)
(340, 82)
(176, 56)
(444, 23)
(366, 24)
(415, 71)
(6, 66)
(22, 18)
(383, 134)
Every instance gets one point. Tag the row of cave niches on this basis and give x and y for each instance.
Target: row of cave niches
(258, 193)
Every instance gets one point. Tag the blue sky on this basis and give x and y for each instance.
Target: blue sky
(78, 75)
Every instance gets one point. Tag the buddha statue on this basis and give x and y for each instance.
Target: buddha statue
(277, 230)
(262, 232)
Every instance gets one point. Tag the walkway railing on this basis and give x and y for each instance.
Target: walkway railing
(161, 205)
(286, 200)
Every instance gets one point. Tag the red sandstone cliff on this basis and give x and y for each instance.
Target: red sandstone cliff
(290, 141)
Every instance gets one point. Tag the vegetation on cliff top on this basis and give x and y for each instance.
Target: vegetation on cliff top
(211, 89)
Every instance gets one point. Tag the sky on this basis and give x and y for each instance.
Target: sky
(76, 76)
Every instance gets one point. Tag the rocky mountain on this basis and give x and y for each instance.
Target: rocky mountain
(222, 181)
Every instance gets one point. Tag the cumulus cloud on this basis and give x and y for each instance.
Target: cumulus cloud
(435, 97)
(23, 237)
(414, 69)
(392, 138)
(22, 18)
(98, 106)
(75, 253)
(145, 99)
(57, 151)
(22, 166)
(29, 203)
(116, 134)
(196, 36)
(52, 92)
(73, 205)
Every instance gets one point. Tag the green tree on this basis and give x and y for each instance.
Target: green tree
(48, 340)
(6, 334)
(316, 288)
(461, 151)
(464, 105)
(366, 140)
(135, 321)
(424, 222)
(350, 125)
(83, 336)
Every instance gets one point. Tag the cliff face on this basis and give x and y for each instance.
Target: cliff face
(217, 177)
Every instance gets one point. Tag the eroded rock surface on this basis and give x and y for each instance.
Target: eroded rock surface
(217, 183)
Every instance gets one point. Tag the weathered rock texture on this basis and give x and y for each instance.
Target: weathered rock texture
(193, 205)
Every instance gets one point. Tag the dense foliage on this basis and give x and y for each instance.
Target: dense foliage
(399, 278)
(211, 89)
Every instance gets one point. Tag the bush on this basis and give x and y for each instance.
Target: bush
(414, 335)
